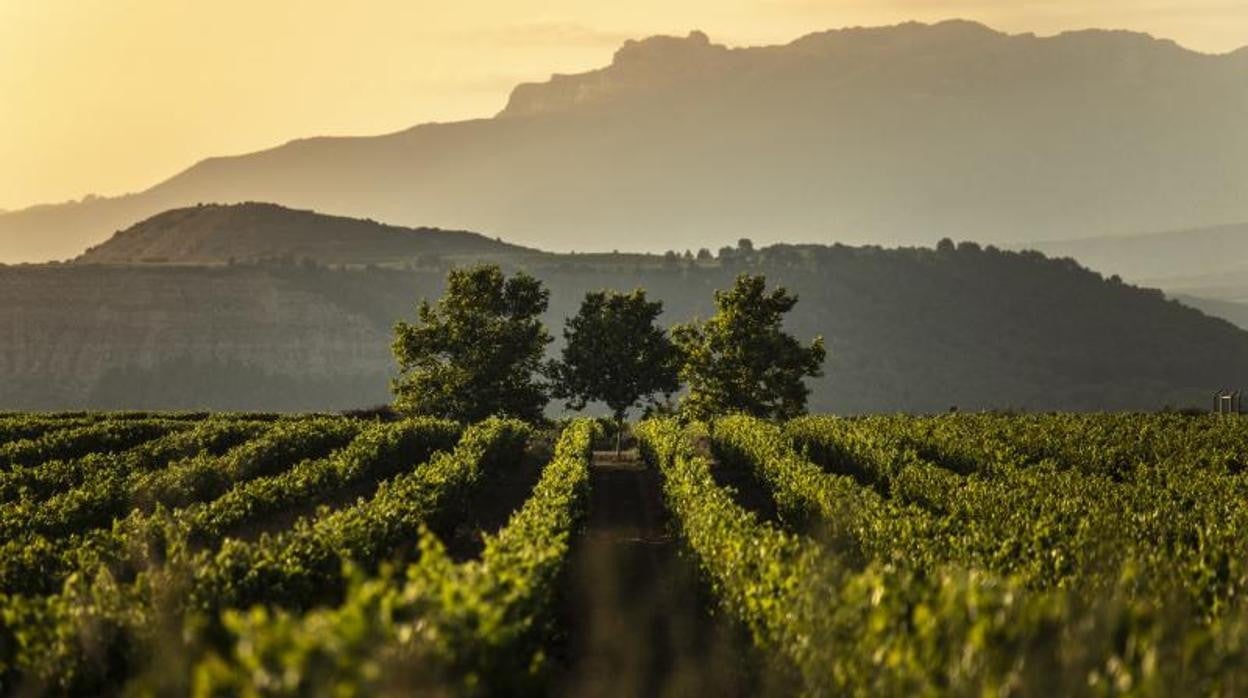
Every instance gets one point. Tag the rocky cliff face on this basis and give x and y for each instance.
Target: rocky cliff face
(652, 64)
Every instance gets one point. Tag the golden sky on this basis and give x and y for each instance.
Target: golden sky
(111, 96)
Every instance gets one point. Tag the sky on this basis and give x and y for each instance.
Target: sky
(112, 96)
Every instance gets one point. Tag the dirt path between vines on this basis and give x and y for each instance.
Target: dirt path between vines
(636, 614)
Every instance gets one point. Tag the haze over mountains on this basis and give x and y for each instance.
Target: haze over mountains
(888, 135)
(907, 329)
(1204, 258)
(910, 330)
(183, 296)
(1206, 268)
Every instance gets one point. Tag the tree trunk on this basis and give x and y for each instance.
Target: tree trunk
(619, 435)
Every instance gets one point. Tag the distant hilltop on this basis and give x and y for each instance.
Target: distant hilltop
(158, 318)
(887, 135)
(220, 234)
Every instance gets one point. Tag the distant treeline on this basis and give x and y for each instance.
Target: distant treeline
(911, 329)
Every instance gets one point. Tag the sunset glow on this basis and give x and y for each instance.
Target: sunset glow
(112, 96)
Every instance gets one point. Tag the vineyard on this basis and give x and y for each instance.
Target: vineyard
(221, 554)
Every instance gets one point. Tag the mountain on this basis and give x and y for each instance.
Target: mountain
(910, 329)
(1175, 259)
(890, 135)
(1234, 312)
(249, 232)
(1205, 268)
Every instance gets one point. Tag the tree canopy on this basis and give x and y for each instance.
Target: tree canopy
(477, 352)
(741, 360)
(615, 353)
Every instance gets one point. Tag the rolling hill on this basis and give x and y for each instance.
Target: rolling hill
(1205, 268)
(1173, 259)
(1234, 312)
(911, 329)
(885, 135)
(249, 232)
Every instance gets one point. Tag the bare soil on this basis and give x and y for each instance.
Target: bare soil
(638, 619)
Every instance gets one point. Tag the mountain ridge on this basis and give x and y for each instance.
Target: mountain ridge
(896, 135)
(675, 58)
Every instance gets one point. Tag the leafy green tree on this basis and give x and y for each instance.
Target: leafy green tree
(741, 360)
(478, 351)
(615, 353)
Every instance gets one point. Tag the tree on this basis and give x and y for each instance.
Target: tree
(616, 354)
(476, 352)
(741, 360)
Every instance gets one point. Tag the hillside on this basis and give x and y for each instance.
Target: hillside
(907, 329)
(217, 234)
(1234, 312)
(886, 135)
(1180, 258)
